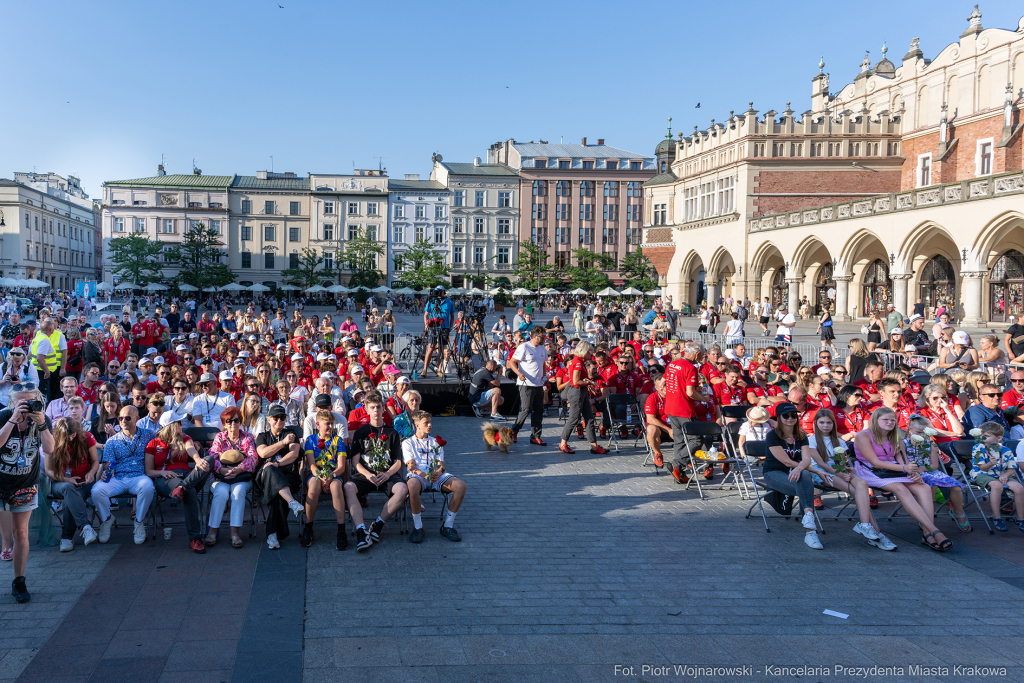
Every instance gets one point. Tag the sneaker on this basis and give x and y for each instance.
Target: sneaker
(882, 543)
(306, 537)
(818, 505)
(177, 494)
(197, 545)
(272, 542)
(603, 431)
(342, 542)
(866, 530)
(477, 411)
(7, 555)
(679, 476)
(375, 530)
(1007, 509)
(600, 450)
(659, 460)
(140, 533)
(998, 523)
(19, 590)
(88, 535)
(564, 447)
(363, 542)
(811, 539)
(515, 437)
(450, 533)
(497, 418)
(296, 508)
(105, 529)
(725, 469)
(417, 536)
(873, 502)
(808, 520)
(57, 505)
(66, 545)
(709, 473)
(579, 431)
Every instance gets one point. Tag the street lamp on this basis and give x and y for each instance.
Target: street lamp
(2, 224)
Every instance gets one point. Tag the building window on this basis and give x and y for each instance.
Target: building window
(540, 212)
(268, 233)
(611, 212)
(371, 233)
(371, 208)
(983, 158)
(504, 199)
(293, 208)
(399, 211)
(246, 206)
(353, 232)
(611, 165)
(504, 256)
(419, 233)
(586, 235)
(246, 259)
(353, 208)
(328, 231)
(215, 227)
(924, 170)
(633, 189)
(460, 197)
(504, 226)
(540, 163)
(611, 189)
(398, 234)
(246, 233)
(268, 261)
(328, 260)
(293, 234)
(563, 188)
(268, 207)
(588, 165)
(118, 225)
(632, 235)
(636, 166)
(610, 236)
(169, 226)
(587, 188)
(458, 225)
(562, 235)
(438, 212)
(438, 234)
(561, 260)
(586, 212)
(293, 260)
(140, 225)
(540, 188)
(328, 208)
(478, 226)
(421, 211)
(661, 214)
(633, 212)
(726, 195)
(561, 212)
(564, 164)
(480, 198)
(478, 255)
(457, 254)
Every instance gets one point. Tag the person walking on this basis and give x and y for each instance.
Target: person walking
(527, 362)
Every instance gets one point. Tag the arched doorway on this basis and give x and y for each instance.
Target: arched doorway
(822, 284)
(780, 290)
(877, 292)
(1006, 287)
(937, 282)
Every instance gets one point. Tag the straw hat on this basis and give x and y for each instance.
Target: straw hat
(231, 458)
(756, 415)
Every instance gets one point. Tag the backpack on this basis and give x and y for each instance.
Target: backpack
(742, 312)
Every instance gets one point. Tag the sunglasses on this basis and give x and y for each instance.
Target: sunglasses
(138, 398)
(858, 395)
(181, 388)
(234, 420)
(789, 416)
(990, 395)
(125, 418)
(23, 386)
(1017, 381)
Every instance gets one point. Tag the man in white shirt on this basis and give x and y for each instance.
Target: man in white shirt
(527, 362)
(207, 406)
(764, 314)
(177, 404)
(323, 402)
(787, 321)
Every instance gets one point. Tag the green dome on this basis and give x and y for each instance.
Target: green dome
(664, 146)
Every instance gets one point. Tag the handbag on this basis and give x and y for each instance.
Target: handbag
(888, 474)
(864, 329)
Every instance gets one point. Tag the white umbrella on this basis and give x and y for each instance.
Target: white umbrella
(631, 291)
(127, 285)
(9, 282)
(210, 290)
(232, 287)
(405, 290)
(316, 288)
(607, 291)
(35, 284)
(498, 290)
(338, 289)
(456, 291)
(655, 292)
(258, 288)
(290, 288)
(155, 287)
(519, 291)
(476, 291)
(101, 287)
(381, 290)
(188, 288)
(550, 290)
(579, 291)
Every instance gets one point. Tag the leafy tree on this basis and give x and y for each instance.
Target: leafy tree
(589, 271)
(308, 272)
(136, 258)
(638, 271)
(198, 258)
(361, 254)
(422, 266)
(526, 267)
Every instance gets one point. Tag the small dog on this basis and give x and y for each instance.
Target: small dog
(500, 437)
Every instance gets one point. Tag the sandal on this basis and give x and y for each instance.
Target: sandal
(931, 544)
(236, 541)
(945, 544)
(211, 539)
(964, 525)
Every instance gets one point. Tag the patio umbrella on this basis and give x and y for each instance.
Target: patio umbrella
(155, 287)
(315, 289)
(210, 290)
(289, 288)
(579, 291)
(631, 291)
(127, 285)
(655, 292)
(456, 291)
(520, 291)
(258, 288)
(185, 288)
(232, 287)
(101, 287)
(35, 284)
(608, 291)
(476, 291)
(405, 290)
(498, 290)
(381, 290)
(338, 289)
(552, 290)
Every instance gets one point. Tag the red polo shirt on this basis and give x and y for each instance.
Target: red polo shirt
(679, 375)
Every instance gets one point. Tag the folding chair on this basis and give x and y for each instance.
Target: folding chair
(962, 450)
(620, 410)
(717, 433)
(756, 449)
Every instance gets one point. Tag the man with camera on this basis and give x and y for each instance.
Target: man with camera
(437, 317)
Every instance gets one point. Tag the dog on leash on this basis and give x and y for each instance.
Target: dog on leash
(499, 437)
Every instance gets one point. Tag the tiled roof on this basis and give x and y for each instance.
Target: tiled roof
(482, 169)
(251, 182)
(533, 149)
(177, 181)
(661, 179)
(414, 185)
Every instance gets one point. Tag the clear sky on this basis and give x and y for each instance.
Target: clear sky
(102, 88)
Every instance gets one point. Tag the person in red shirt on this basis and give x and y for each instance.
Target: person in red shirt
(873, 372)
(74, 352)
(942, 417)
(682, 391)
(162, 383)
(658, 428)
(730, 392)
(851, 418)
(359, 417)
(90, 384)
(638, 344)
(890, 392)
(117, 347)
(238, 380)
(760, 393)
(713, 366)
(1014, 397)
(578, 395)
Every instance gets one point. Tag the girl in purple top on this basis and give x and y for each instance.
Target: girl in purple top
(882, 463)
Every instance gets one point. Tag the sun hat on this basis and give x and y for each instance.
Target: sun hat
(231, 458)
(757, 415)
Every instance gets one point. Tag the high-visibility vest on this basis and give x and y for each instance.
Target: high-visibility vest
(52, 363)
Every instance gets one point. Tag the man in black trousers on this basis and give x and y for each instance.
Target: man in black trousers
(528, 364)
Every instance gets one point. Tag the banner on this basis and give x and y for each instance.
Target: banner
(86, 289)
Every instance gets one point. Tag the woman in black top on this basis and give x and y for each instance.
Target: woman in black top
(787, 457)
(101, 418)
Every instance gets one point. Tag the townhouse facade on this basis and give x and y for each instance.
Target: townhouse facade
(419, 210)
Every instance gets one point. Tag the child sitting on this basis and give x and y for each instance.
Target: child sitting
(921, 449)
(424, 457)
(992, 467)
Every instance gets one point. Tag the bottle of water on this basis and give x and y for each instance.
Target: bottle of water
(108, 474)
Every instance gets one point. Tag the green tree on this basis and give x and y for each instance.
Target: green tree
(136, 258)
(198, 258)
(638, 271)
(308, 272)
(422, 265)
(589, 271)
(526, 267)
(361, 254)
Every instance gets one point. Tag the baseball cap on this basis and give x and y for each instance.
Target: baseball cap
(321, 356)
(277, 410)
(298, 356)
(960, 337)
(897, 332)
(243, 354)
(824, 370)
(353, 352)
(193, 336)
(181, 347)
(355, 368)
(234, 335)
(916, 316)
(786, 408)
(392, 370)
(145, 361)
(375, 348)
(206, 361)
(402, 380)
(158, 360)
(171, 416)
(207, 377)
(328, 374)
(225, 374)
(239, 361)
(151, 350)
(322, 401)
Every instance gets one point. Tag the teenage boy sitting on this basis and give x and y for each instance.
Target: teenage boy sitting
(326, 463)
(418, 451)
(377, 466)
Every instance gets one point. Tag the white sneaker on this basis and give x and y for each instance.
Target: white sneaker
(498, 418)
(105, 529)
(296, 508)
(477, 411)
(272, 542)
(88, 535)
(808, 520)
(883, 543)
(866, 530)
(66, 545)
(140, 533)
(811, 539)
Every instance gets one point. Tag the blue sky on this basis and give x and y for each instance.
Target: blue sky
(102, 89)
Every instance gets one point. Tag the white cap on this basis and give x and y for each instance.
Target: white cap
(345, 339)
(151, 350)
(171, 416)
(239, 361)
(909, 348)
(332, 357)
(298, 356)
(355, 368)
(158, 360)
(234, 335)
(824, 370)
(328, 374)
(253, 337)
(402, 380)
(960, 337)
(181, 347)
(225, 374)
(243, 354)
(193, 336)
(321, 356)
(375, 348)
(145, 361)
(353, 352)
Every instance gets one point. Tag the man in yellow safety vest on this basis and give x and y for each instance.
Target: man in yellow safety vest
(48, 357)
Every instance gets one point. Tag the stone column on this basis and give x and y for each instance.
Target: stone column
(794, 294)
(711, 291)
(900, 282)
(971, 298)
(843, 298)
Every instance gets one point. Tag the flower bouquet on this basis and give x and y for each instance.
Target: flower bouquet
(921, 451)
(325, 462)
(840, 462)
(435, 463)
(380, 456)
